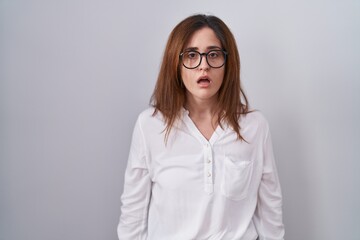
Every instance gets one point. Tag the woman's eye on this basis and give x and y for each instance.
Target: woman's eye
(213, 54)
(191, 55)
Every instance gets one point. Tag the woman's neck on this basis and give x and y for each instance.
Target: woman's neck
(204, 115)
(199, 108)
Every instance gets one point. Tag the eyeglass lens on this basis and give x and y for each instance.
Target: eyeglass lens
(192, 59)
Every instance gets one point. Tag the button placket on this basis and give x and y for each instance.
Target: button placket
(208, 169)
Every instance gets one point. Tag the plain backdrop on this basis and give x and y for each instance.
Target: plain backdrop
(75, 74)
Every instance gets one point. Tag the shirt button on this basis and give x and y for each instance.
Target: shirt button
(209, 175)
(209, 161)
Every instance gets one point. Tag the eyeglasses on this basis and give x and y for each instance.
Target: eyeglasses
(192, 59)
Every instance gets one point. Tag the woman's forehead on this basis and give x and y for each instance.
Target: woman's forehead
(204, 38)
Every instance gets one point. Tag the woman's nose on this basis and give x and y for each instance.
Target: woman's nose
(203, 64)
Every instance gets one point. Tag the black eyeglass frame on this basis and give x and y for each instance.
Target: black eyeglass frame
(206, 57)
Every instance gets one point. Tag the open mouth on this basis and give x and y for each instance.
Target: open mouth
(203, 81)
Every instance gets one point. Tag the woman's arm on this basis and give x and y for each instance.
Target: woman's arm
(137, 190)
(268, 213)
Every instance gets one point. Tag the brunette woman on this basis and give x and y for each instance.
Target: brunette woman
(201, 164)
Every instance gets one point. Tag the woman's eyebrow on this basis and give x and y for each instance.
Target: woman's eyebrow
(213, 47)
(191, 49)
(196, 48)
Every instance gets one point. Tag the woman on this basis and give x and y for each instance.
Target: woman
(201, 164)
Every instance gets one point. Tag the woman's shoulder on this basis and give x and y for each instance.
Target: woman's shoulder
(254, 118)
(150, 116)
(147, 113)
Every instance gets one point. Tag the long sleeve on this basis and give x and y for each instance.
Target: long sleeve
(268, 213)
(137, 190)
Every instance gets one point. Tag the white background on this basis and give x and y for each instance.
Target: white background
(75, 74)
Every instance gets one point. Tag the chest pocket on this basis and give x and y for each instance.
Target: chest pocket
(236, 178)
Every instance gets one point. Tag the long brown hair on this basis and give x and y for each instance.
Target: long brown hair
(169, 95)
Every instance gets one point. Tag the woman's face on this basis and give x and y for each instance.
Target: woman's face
(203, 83)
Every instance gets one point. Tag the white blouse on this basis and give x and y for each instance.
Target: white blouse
(192, 188)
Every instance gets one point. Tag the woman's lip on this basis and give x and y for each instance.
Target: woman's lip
(204, 83)
(203, 77)
(203, 80)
